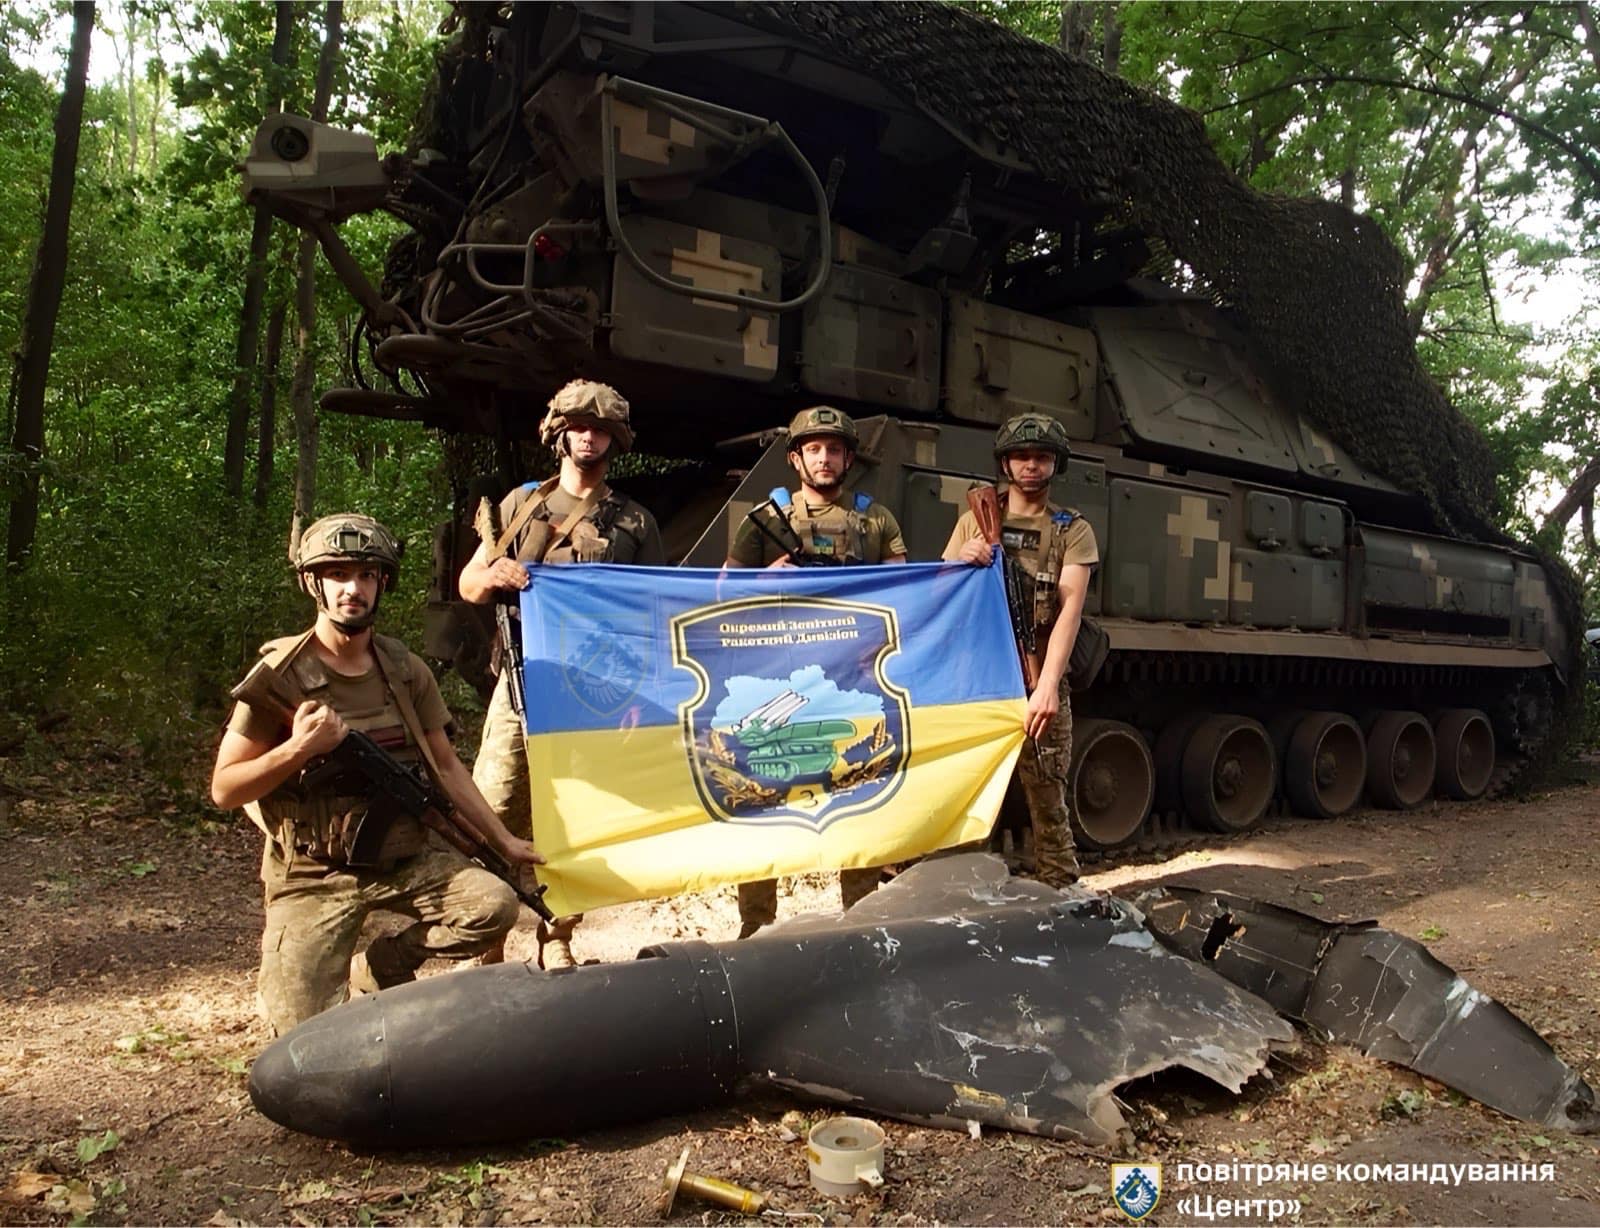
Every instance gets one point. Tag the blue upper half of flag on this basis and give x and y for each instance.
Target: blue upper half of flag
(796, 652)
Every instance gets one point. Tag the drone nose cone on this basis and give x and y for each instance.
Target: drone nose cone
(330, 1075)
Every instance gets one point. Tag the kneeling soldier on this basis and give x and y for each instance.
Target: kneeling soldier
(346, 677)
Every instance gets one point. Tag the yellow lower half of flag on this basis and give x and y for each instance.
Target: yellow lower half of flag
(618, 816)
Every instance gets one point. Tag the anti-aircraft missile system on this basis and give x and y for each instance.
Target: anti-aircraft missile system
(731, 211)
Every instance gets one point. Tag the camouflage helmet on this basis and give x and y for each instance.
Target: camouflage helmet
(348, 538)
(822, 420)
(584, 398)
(1032, 430)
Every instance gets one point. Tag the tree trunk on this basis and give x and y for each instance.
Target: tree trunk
(305, 408)
(44, 294)
(1579, 494)
(1077, 23)
(130, 17)
(1591, 31)
(269, 401)
(255, 289)
(1111, 47)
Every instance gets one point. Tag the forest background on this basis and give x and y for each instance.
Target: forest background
(178, 432)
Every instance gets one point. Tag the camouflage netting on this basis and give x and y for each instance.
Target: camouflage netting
(1319, 289)
(1295, 273)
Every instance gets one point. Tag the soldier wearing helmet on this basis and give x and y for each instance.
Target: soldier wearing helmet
(1057, 553)
(348, 677)
(573, 517)
(829, 523)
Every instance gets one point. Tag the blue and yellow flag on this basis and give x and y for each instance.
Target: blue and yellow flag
(691, 727)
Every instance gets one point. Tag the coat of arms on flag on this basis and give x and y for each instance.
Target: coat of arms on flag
(770, 743)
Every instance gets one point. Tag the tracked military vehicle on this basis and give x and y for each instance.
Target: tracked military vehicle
(734, 211)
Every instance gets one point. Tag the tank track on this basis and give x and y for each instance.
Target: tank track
(1148, 689)
(1164, 836)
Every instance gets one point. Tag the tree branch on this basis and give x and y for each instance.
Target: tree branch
(1580, 493)
(1591, 168)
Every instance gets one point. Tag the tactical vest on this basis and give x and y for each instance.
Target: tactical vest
(833, 529)
(1040, 555)
(319, 822)
(591, 540)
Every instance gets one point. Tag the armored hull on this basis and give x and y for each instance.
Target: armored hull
(731, 212)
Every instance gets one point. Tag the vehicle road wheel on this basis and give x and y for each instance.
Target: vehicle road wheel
(1464, 740)
(1111, 783)
(1324, 765)
(1400, 760)
(1229, 773)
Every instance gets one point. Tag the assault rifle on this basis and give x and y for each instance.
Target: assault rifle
(508, 642)
(396, 788)
(786, 540)
(984, 501)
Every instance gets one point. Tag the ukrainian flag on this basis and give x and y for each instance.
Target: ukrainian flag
(688, 727)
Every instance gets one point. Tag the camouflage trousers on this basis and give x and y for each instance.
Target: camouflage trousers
(501, 774)
(758, 901)
(1044, 784)
(315, 912)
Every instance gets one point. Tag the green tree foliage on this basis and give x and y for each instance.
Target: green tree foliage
(1467, 129)
(150, 589)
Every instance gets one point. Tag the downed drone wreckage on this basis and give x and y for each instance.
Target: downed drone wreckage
(955, 994)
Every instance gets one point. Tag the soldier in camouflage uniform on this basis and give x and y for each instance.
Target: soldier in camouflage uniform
(1057, 552)
(572, 518)
(827, 523)
(350, 678)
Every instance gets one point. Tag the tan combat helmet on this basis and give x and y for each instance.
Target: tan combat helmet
(822, 420)
(586, 399)
(347, 537)
(1032, 430)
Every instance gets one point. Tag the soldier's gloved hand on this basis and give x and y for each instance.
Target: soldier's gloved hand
(976, 552)
(508, 574)
(782, 560)
(1043, 705)
(317, 729)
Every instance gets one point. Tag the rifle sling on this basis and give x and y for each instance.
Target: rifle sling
(413, 723)
(537, 500)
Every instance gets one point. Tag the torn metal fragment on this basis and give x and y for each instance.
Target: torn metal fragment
(955, 995)
(1386, 995)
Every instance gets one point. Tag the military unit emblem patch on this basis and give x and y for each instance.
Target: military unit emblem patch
(794, 720)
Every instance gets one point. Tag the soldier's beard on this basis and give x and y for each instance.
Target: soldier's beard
(827, 488)
(350, 624)
(588, 464)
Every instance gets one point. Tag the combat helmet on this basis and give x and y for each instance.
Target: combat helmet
(585, 398)
(822, 420)
(347, 537)
(1032, 430)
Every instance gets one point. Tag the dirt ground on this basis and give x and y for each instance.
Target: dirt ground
(128, 930)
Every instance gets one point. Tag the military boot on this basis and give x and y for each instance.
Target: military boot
(555, 949)
(380, 966)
